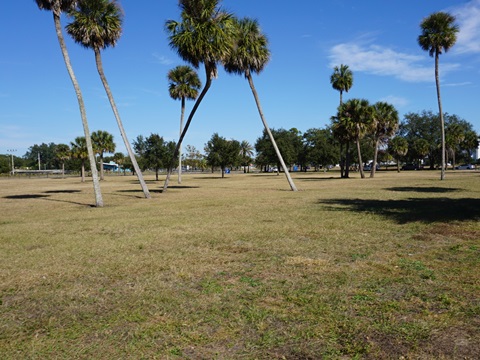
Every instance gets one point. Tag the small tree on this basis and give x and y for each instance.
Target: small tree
(102, 142)
(398, 147)
(62, 154)
(222, 152)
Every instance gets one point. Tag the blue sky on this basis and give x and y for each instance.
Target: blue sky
(376, 38)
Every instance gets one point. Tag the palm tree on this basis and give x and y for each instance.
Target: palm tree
(62, 153)
(439, 34)
(398, 147)
(356, 115)
(246, 153)
(97, 25)
(251, 54)
(119, 158)
(102, 142)
(341, 79)
(204, 36)
(184, 83)
(79, 151)
(57, 7)
(385, 118)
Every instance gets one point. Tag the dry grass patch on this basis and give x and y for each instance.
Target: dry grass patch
(242, 268)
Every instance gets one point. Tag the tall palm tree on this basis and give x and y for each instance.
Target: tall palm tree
(251, 54)
(184, 84)
(246, 153)
(341, 79)
(102, 142)
(79, 151)
(357, 117)
(204, 36)
(57, 7)
(438, 35)
(97, 25)
(385, 123)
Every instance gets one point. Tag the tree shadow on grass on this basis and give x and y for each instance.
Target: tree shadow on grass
(432, 189)
(413, 209)
(43, 197)
(61, 191)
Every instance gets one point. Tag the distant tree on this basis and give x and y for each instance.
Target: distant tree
(119, 159)
(341, 79)
(344, 137)
(102, 142)
(385, 123)
(289, 143)
(250, 55)
(155, 153)
(320, 148)
(204, 36)
(398, 147)
(62, 154)
(193, 157)
(421, 147)
(438, 35)
(184, 84)
(57, 7)
(222, 152)
(79, 151)
(46, 153)
(97, 25)
(246, 153)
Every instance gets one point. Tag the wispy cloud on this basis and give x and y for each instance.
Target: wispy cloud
(161, 59)
(468, 19)
(397, 101)
(384, 61)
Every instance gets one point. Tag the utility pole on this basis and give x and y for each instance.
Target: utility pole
(11, 151)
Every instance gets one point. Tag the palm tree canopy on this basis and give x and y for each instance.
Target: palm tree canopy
(342, 78)
(204, 34)
(184, 83)
(103, 142)
(62, 152)
(57, 6)
(250, 52)
(386, 119)
(246, 149)
(356, 115)
(439, 33)
(79, 148)
(97, 23)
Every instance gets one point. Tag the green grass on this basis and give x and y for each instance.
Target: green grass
(242, 268)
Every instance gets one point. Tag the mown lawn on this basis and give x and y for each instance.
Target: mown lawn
(242, 268)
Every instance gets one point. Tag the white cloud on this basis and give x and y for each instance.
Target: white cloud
(161, 59)
(383, 61)
(397, 101)
(468, 19)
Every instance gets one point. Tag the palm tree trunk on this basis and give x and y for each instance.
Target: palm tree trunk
(442, 122)
(98, 61)
(267, 129)
(91, 156)
(375, 156)
(360, 162)
(102, 175)
(347, 159)
(82, 174)
(208, 83)
(182, 114)
(63, 170)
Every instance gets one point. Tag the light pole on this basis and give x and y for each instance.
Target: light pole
(11, 151)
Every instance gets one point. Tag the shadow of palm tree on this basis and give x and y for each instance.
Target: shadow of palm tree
(432, 189)
(25, 196)
(61, 191)
(412, 210)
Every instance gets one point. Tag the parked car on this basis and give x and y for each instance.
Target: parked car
(409, 167)
(465, 167)
(369, 167)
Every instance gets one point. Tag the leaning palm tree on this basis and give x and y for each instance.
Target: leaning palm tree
(439, 34)
(251, 54)
(341, 79)
(385, 123)
(184, 84)
(102, 142)
(97, 25)
(204, 36)
(57, 7)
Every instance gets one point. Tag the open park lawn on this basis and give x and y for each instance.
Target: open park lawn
(242, 268)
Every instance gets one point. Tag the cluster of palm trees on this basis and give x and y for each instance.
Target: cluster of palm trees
(356, 117)
(208, 35)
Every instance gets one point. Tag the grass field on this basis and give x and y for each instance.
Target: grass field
(242, 268)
